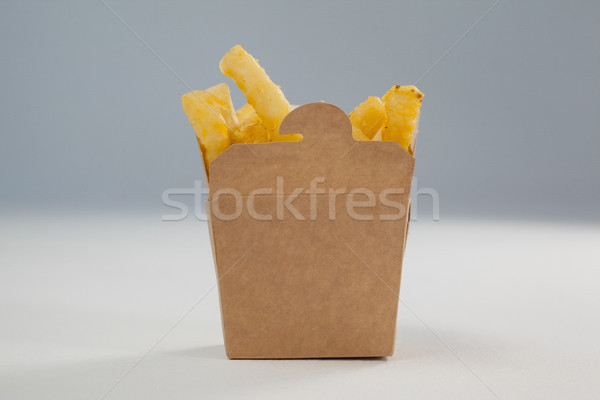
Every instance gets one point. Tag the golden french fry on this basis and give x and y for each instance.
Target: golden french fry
(369, 116)
(222, 92)
(286, 138)
(394, 117)
(377, 137)
(357, 134)
(256, 133)
(205, 113)
(402, 104)
(247, 113)
(251, 128)
(266, 97)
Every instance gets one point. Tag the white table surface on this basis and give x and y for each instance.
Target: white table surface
(505, 310)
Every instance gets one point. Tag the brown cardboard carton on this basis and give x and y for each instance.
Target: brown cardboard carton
(301, 273)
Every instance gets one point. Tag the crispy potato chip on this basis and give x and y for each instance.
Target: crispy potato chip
(266, 97)
(402, 104)
(369, 116)
(205, 113)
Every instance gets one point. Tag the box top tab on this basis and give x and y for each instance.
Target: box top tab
(327, 151)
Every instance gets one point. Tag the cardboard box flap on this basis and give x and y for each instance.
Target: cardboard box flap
(327, 150)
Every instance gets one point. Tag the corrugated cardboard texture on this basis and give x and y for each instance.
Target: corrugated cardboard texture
(313, 286)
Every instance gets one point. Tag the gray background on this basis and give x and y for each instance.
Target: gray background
(91, 118)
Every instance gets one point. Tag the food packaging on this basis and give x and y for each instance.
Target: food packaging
(308, 239)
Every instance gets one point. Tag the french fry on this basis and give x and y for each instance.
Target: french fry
(402, 104)
(377, 137)
(247, 113)
(205, 113)
(222, 92)
(266, 97)
(251, 128)
(394, 117)
(357, 134)
(369, 116)
(255, 133)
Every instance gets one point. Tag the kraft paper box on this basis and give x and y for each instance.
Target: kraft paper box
(308, 239)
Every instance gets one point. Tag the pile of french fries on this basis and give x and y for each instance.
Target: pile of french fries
(218, 125)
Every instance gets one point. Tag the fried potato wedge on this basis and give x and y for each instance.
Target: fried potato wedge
(205, 113)
(265, 96)
(402, 105)
(369, 116)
